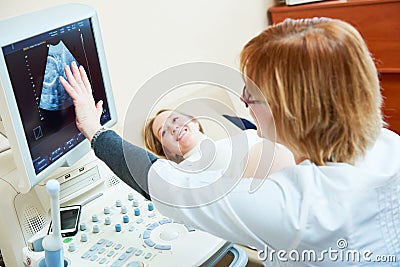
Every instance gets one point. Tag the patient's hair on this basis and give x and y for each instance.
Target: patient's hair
(321, 84)
(150, 140)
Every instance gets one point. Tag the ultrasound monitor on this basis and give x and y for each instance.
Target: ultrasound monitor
(37, 112)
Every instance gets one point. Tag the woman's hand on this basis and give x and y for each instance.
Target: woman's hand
(87, 112)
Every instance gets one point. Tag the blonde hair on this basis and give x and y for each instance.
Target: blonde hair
(321, 84)
(150, 140)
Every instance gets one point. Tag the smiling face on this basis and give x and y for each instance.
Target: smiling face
(177, 133)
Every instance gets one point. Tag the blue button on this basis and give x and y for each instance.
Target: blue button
(86, 255)
(124, 210)
(137, 211)
(125, 218)
(106, 210)
(71, 247)
(149, 242)
(95, 218)
(96, 229)
(130, 250)
(93, 258)
(150, 206)
(83, 237)
(118, 227)
(146, 234)
(165, 221)
(162, 247)
(82, 226)
(152, 226)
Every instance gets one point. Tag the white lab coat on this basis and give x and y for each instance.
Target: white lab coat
(301, 210)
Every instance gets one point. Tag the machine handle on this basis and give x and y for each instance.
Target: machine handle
(240, 258)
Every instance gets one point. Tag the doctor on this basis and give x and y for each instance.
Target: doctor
(343, 195)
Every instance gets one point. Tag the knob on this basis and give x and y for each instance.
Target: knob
(169, 235)
(125, 218)
(106, 210)
(118, 203)
(82, 226)
(118, 227)
(83, 237)
(124, 210)
(130, 197)
(96, 228)
(95, 218)
(137, 211)
(150, 206)
(135, 203)
(107, 221)
(71, 247)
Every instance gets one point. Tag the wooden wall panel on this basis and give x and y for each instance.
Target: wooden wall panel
(378, 21)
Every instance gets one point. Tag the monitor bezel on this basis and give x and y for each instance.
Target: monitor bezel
(29, 25)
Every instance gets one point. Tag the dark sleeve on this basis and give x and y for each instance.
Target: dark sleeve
(242, 123)
(129, 162)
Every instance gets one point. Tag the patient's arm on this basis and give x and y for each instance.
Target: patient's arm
(265, 158)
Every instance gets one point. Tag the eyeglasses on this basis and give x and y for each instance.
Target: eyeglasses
(245, 98)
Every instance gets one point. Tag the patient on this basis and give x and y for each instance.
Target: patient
(178, 137)
(171, 134)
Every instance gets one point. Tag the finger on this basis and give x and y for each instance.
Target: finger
(70, 90)
(85, 79)
(77, 74)
(70, 77)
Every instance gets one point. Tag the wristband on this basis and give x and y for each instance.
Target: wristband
(96, 135)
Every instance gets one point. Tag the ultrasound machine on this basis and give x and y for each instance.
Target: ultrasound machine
(104, 222)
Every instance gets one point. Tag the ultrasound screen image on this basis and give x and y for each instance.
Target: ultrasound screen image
(45, 108)
(54, 96)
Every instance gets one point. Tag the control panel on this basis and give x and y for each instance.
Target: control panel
(121, 228)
